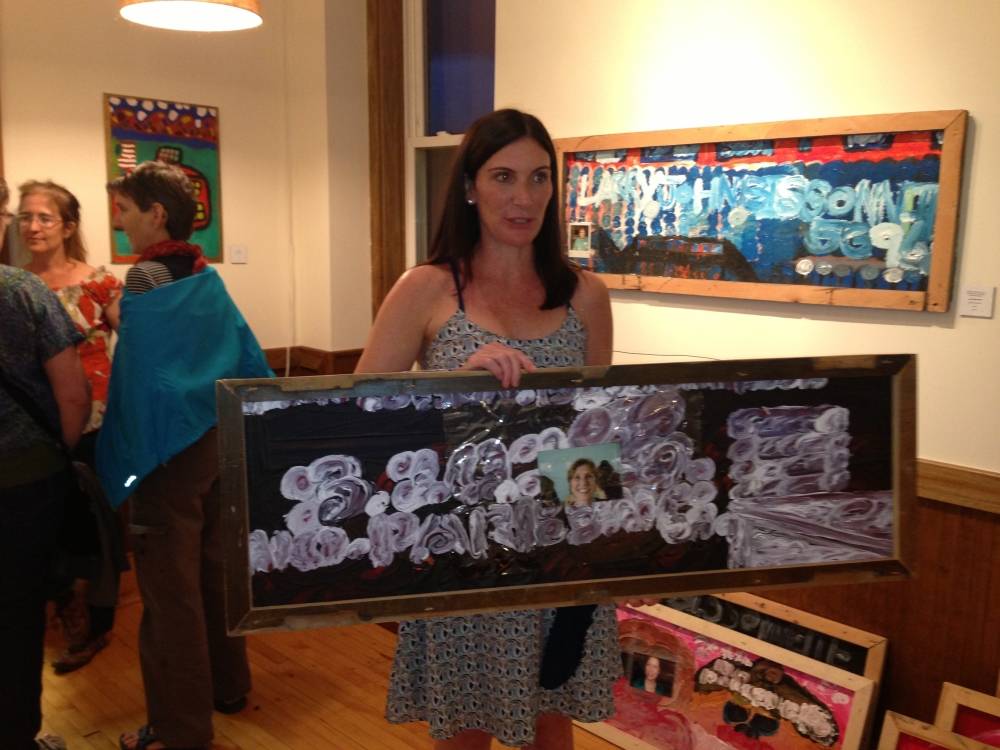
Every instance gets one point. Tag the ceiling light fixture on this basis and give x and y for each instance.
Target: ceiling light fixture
(193, 15)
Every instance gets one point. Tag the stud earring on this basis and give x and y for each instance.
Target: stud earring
(471, 201)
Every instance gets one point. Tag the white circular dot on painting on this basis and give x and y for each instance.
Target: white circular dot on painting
(200, 111)
(147, 105)
(132, 102)
(824, 268)
(161, 104)
(893, 275)
(140, 115)
(114, 100)
(651, 210)
(884, 234)
(197, 122)
(738, 216)
(805, 266)
(172, 115)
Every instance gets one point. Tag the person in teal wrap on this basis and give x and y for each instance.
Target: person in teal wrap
(180, 332)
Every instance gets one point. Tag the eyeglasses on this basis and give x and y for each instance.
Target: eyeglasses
(46, 221)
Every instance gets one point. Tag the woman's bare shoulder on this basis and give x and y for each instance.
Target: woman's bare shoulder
(590, 290)
(422, 285)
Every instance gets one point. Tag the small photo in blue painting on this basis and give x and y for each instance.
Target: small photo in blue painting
(579, 476)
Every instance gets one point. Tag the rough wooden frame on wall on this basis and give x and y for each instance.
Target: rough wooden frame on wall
(351, 498)
(855, 211)
(713, 686)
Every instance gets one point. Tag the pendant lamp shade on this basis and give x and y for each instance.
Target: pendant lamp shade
(193, 15)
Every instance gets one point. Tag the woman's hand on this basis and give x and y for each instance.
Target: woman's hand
(503, 362)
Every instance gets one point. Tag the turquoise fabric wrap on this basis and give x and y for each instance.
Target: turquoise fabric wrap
(173, 344)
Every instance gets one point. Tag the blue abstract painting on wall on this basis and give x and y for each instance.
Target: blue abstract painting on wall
(854, 211)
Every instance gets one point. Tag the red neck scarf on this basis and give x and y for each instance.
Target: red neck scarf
(175, 247)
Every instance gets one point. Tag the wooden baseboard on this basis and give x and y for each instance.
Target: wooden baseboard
(305, 360)
(958, 485)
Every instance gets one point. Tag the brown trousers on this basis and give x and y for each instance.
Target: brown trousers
(187, 660)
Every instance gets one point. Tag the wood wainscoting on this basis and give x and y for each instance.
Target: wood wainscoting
(304, 360)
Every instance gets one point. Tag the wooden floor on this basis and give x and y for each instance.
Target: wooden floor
(312, 689)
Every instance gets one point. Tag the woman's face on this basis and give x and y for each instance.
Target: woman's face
(141, 227)
(511, 191)
(41, 226)
(652, 668)
(583, 484)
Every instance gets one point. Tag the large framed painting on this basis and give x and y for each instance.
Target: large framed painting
(834, 643)
(139, 129)
(688, 684)
(857, 211)
(904, 733)
(969, 713)
(375, 497)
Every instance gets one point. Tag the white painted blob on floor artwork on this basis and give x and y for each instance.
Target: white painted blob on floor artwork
(773, 484)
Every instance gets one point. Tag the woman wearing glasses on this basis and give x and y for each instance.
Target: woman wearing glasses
(48, 220)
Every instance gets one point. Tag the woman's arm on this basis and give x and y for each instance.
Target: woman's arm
(593, 304)
(112, 313)
(397, 335)
(71, 391)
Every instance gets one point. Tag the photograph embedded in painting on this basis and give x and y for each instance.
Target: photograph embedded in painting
(143, 129)
(855, 211)
(716, 695)
(373, 496)
(579, 242)
(579, 477)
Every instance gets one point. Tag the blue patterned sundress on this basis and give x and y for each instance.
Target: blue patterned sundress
(482, 671)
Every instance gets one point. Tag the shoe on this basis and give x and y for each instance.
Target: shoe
(75, 657)
(50, 742)
(231, 707)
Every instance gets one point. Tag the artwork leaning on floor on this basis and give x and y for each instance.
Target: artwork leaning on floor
(693, 685)
(373, 497)
(856, 211)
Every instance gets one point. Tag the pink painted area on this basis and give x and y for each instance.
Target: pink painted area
(977, 725)
(693, 719)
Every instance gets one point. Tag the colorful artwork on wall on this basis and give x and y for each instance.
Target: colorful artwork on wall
(139, 129)
(380, 496)
(802, 211)
(693, 685)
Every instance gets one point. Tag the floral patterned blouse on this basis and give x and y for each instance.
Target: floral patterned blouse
(86, 302)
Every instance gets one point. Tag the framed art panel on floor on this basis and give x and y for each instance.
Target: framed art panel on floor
(857, 211)
(969, 713)
(689, 684)
(903, 733)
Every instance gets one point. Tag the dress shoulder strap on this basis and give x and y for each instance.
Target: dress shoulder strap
(458, 284)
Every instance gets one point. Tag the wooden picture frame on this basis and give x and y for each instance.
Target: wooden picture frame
(821, 211)
(299, 555)
(904, 733)
(834, 643)
(142, 128)
(969, 713)
(727, 688)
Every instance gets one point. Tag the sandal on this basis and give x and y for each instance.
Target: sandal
(146, 737)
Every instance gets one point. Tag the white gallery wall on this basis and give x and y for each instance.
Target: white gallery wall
(589, 67)
(277, 141)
